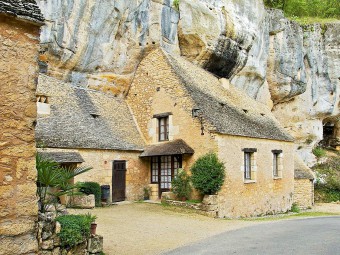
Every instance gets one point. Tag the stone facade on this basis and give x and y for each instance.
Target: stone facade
(137, 174)
(18, 201)
(265, 194)
(158, 89)
(304, 193)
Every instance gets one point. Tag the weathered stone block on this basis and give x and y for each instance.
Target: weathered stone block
(82, 201)
(95, 244)
(210, 200)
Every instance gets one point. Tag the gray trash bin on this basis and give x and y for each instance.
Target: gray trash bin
(105, 192)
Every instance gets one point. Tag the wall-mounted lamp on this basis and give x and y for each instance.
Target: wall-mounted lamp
(197, 113)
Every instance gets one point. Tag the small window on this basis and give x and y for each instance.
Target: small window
(247, 166)
(277, 164)
(163, 133)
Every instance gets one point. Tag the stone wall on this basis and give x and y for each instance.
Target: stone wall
(50, 243)
(18, 201)
(304, 193)
(157, 89)
(137, 174)
(265, 194)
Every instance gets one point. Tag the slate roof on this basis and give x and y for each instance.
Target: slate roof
(302, 171)
(176, 147)
(228, 111)
(83, 118)
(63, 157)
(22, 9)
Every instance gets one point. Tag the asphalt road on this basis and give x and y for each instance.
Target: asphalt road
(296, 237)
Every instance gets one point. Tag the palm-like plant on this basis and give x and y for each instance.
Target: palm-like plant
(50, 174)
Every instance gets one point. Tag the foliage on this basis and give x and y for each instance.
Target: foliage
(147, 192)
(74, 229)
(176, 4)
(89, 188)
(51, 175)
(208, 174)
(327, 184)
(307, 8)
(181, 186)
(295, 208)
(319, 152)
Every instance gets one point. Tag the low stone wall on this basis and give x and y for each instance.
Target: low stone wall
(208, 207)
(81, 201)
(49, 242)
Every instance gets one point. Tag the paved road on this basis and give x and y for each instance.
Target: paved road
(291, 237)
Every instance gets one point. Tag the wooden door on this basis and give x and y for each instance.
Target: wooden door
(118, 180)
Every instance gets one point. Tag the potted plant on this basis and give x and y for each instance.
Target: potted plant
(146, 193)
(92, 219)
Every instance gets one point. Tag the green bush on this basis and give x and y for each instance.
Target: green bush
(176, 4)
(181, 186)
(327, 183)
(89, 188)
(208, 174)
(295, 208)
(307, 8)
(74, 229)
(319, 152)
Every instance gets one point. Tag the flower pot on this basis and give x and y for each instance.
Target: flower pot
(184, 199)
(93, 228)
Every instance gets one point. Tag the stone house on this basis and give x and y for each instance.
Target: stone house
(77, 125)
(174, 113)
(183, 112)
(20, 23)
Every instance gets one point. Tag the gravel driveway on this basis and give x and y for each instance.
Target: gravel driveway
(142, 228)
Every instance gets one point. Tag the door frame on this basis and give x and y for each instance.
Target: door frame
(113, 176)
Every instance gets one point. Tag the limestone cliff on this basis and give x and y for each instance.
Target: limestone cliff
(294, 70)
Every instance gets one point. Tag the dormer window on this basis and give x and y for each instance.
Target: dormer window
(43, 106)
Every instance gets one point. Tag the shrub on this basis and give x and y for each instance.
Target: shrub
(176, 4)
(74, 229)
(319, 152)
(295, 208)
(89, 188)
(181, 186)
(208, 174)
(327, 184)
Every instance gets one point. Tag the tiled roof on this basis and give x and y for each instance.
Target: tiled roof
(23, 9)
(63, 157)
(228, 111)
(301, 171)
(176, 147)
(83, 118)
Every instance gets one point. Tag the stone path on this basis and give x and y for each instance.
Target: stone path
(141, 228)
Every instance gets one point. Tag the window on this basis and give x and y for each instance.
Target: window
(163, 169)
(43, 106)
(163, 128)
(277, 163)
(249, 166)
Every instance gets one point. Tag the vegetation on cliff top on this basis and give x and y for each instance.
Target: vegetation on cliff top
(308, 11)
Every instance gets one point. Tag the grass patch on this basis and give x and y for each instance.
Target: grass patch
(291, 216)
(313, 20)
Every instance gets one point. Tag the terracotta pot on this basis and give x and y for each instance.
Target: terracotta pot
(93, 228)
(184, 199)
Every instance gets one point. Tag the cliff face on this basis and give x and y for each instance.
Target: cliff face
(294, 70)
